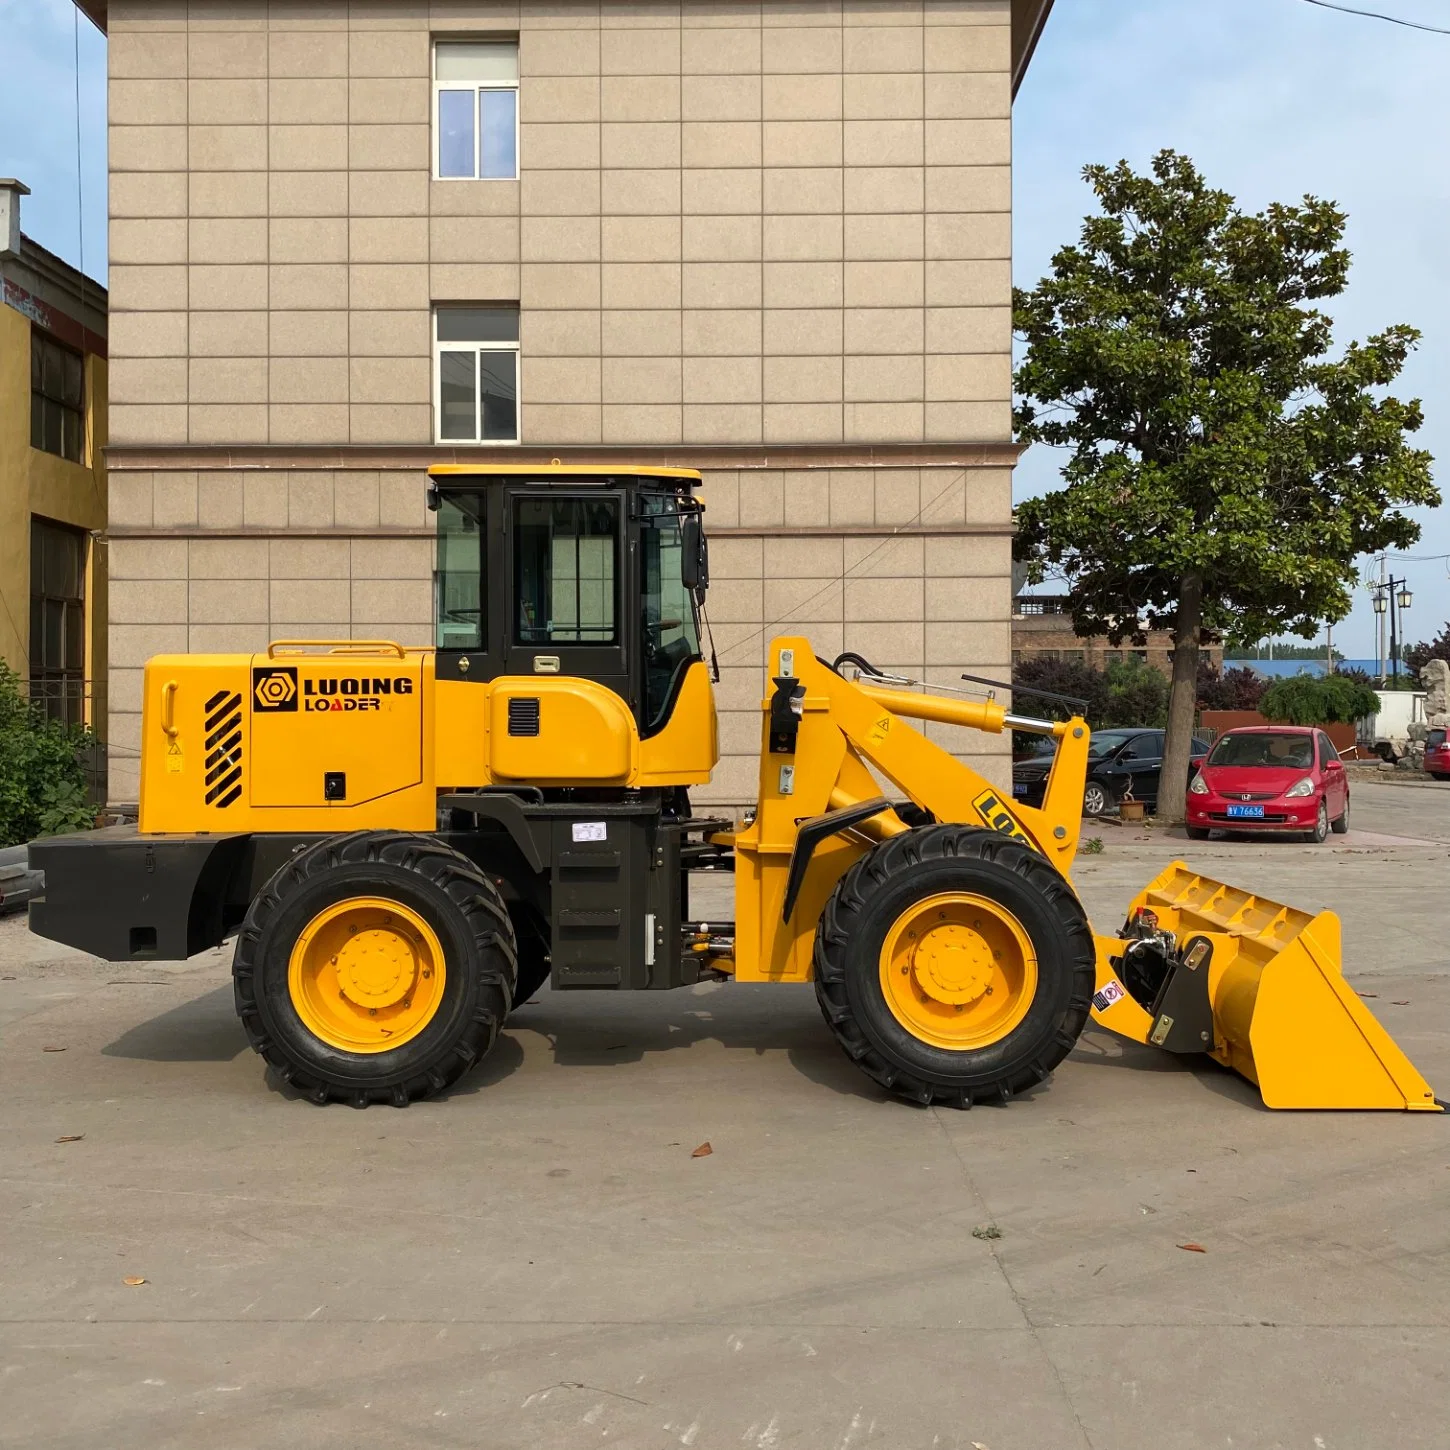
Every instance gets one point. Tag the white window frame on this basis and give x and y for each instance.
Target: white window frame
(477, 88)
(474, 348)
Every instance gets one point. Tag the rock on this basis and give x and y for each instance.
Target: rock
(1435, 677)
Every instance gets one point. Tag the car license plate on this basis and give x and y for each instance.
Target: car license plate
(1019, 791)
(1246, 813)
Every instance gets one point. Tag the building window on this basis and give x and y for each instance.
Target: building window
(476, 110)
(476, 365)
(57, 398)
(58, 620)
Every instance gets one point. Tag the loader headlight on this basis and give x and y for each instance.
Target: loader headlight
(1196, 786)
(1301, 787)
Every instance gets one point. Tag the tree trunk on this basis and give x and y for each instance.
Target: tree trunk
(1182, 700)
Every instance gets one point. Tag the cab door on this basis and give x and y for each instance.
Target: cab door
(567, 569)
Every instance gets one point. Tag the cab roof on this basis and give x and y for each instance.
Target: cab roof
(558, 470)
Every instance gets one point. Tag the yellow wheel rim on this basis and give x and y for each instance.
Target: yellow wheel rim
(958, 971)
(366, 975)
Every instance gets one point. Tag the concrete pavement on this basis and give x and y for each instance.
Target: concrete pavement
(537, 1260)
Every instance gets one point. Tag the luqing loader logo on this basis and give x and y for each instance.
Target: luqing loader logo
(275, 688)
(348, 692)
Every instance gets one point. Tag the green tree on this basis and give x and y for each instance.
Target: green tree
(1223, 471)
(1279, 650)
(42, 780)
(1318, 700)
(1416, 656)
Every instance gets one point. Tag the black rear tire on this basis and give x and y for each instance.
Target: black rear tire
(1340, 827)
(888, 881)
(459, 903)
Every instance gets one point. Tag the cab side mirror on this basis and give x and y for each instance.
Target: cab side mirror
(694, 555)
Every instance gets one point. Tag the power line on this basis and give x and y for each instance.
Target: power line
(1375, 15)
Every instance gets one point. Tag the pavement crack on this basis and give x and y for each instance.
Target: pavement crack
(992, 1249)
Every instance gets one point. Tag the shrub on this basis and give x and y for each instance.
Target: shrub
(1231, 689)
(1416, 656)
(1137, 695)
(1311, 700)
(42, 779)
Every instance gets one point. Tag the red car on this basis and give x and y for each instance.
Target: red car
(1437, 753)
(1270, 778)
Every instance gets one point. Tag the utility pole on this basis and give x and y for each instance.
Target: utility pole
(1379, 625)
(1328, 648)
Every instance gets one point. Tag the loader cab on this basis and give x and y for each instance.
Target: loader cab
(591, 573)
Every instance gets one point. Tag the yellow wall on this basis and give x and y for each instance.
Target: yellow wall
(35, 482)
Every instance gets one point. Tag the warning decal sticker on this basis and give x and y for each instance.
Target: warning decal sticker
(1110, 993)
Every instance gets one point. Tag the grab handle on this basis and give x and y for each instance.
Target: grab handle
(336, 647)
(168, 709)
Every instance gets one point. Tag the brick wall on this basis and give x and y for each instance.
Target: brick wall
(737, 227)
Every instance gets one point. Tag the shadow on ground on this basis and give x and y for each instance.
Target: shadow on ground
(202, 1030)
(1098, 1048)
(597, 1029)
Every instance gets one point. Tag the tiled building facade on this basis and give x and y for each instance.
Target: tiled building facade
(768, 240)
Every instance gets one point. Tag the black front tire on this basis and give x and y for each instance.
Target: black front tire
(457, 900)
(1196, 833)
(888, 881)
(1095, 799)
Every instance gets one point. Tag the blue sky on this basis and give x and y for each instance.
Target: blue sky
(1272, 98)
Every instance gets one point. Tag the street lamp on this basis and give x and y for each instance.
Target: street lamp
(1393, 595)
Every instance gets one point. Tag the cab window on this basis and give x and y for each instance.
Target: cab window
(671, 634)
(458, 592)
(566, 563)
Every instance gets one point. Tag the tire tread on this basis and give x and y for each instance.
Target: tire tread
(841, 920)
(446, 869)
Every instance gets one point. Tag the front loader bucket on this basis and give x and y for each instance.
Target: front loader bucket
(1268, 999)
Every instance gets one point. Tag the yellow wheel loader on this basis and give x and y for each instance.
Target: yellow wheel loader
(407, 843)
